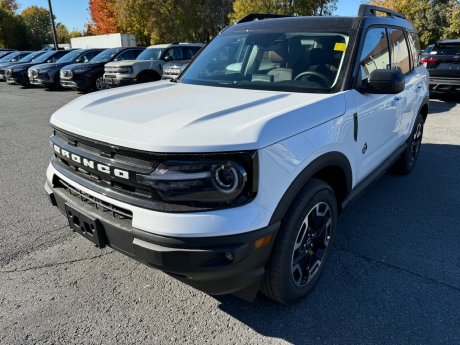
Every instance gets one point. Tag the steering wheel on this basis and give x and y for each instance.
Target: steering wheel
(314, 74)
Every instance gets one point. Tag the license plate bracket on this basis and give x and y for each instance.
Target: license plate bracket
(88, 226)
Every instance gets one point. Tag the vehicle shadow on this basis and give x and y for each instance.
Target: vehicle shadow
(394, 274)
(442, 103)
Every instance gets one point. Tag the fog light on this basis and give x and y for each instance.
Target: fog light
(229, 256)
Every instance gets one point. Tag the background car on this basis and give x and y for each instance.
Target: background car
(171, 70)
(148, 65)
(14, 58)
(47, 74)
(17, 74)
(5, 52)
(443, 64)
(89, 76)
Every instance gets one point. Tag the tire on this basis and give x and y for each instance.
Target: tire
(98, 83)
(286, 278)
(406, 162)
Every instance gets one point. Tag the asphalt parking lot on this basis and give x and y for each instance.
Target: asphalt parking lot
(393, 277)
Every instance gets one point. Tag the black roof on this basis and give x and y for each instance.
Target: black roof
(367, 14)
(449, 42)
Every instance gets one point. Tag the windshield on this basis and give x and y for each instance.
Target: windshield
(31, 56)
(8, 57)
(44, 57)
(70, 57)
(151, 54)
(294, 61)
(106, 55)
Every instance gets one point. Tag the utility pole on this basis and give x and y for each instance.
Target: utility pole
(52, 24)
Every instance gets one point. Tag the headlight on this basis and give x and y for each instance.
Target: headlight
(81, 70)
(204, 184)
(124, 70)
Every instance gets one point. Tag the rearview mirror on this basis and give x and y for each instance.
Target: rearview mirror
(384, 81)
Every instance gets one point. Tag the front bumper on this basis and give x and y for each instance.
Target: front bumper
(215, 264)
(115, 81)
(439, 84)
(18, 78)
(80, 82)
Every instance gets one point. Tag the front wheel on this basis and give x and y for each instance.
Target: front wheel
(99, 83)
(406, 162)
(302, 245)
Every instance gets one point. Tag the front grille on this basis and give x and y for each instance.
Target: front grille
(132, 161)
(98, 204)
(111, 70)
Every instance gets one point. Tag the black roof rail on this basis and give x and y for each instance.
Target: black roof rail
(260, 16)
(370, 10)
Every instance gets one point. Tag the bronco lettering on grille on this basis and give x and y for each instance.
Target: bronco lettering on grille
(91, 164)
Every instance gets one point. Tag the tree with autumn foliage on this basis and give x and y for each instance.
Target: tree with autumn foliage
(104, 18)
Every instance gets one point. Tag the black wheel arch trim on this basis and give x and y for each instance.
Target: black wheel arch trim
(330, 159)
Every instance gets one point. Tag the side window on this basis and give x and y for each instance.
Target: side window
(57, 56)
(174, 53)
(375, 53)
(400, 58)
(128, 55)
(414, 42)
(189, 52)
(89, 55)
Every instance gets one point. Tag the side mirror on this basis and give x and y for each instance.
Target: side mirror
(14, 60)
(79, 60)
(168, 58)
(384, 81)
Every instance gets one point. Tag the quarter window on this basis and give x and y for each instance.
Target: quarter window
(415, 46)
(375, 54)
(399, 51)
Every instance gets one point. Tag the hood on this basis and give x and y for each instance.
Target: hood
(129, 63)
(22, 66)
(172, 117)
(7, 64)
(49, 65)
(86, 64)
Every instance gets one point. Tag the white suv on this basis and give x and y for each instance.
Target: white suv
(231, 179)
(148, 66)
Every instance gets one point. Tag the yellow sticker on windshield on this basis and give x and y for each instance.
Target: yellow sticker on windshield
(340, 47)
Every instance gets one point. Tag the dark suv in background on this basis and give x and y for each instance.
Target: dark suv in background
(15, 58)
(443, 64)
(47, 74)
(17, 74)
(89, 76)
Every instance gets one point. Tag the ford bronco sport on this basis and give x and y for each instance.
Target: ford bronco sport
(237, 187)
(148, 66)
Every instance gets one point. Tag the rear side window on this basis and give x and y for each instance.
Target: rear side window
(446, 49)
(375, 53)
(189, 52)
(400, 58)
(174, 53)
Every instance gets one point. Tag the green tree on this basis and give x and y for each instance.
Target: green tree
(63, 35)
(76, 33)
(13, 31)
(242, 8)
(38, 24)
